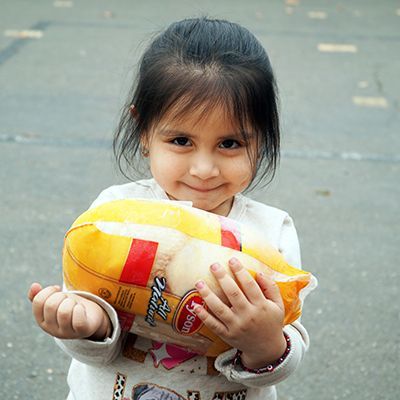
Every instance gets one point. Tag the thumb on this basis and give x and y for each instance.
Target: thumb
(34, 290)
(270, 289)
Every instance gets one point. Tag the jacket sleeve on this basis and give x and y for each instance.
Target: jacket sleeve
(91, 352)
(108, 194)
(87, 351)
(299, 344)
(290, 249)
(289, 243)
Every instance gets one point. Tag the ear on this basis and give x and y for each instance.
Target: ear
(144, 145)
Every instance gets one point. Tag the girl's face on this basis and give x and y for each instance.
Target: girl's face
(201, 160)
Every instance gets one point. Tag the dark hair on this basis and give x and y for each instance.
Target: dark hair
(204, 62)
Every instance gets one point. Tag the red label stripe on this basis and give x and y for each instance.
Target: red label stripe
(185, 320)
(230, 234)
(126, 320)
(139, 262)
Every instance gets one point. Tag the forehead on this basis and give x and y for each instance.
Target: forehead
(212, 116)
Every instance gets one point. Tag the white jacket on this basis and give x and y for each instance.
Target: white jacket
(126, 366)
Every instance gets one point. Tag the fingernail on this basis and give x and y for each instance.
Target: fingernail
(261, 274)
(200, 285)
(234, 264)
(197, 310)
(215, 267)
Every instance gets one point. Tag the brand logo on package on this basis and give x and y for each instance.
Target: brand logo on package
(157, 303)
(185, 320)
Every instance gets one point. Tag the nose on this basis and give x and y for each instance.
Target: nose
(204, 166)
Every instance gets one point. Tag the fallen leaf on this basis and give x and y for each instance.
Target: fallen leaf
(323, 192)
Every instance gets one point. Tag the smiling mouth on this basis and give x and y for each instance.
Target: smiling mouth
(202, 190)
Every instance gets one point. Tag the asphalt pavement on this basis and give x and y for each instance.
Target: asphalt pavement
(65, 68)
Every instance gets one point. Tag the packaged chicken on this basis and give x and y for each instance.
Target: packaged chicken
(145, 256)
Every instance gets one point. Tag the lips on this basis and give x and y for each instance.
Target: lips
(201, 189)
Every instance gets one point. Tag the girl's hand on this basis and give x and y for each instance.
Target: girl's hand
(254, 322)
(66, 315)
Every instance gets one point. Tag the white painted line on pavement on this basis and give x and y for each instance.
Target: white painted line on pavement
(24, 34)
(363, 84)
(317, 14)
(337, 48)
(63, 4)
(343, 155)
(292, 2)
(377, 102)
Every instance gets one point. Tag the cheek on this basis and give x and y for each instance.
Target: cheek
(165, 165)
(239, 171)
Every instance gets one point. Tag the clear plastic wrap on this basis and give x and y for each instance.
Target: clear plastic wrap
(145, 256)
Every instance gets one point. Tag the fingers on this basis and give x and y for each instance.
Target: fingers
(211, 322)
(79, 320)
(270, 289)
(255, 311)
(245, 289)
(231, 289)
(34, 290)
(64, 313)
(52, 306)
(221, 312)
(54, 312)
(39, 300)
(248, 284)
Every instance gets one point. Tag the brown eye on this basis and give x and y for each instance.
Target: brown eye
(181, 141)
(230, 144)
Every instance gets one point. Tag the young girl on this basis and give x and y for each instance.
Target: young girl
(203, 113)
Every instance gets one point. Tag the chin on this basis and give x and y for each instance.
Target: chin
(215, 207)
(203, 204)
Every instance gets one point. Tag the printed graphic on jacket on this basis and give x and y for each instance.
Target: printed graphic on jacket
(150, 391)
(167, 355)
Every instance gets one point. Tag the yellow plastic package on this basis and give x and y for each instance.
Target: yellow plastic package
(144, 257)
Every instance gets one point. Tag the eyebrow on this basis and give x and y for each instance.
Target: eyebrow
(175, 133)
